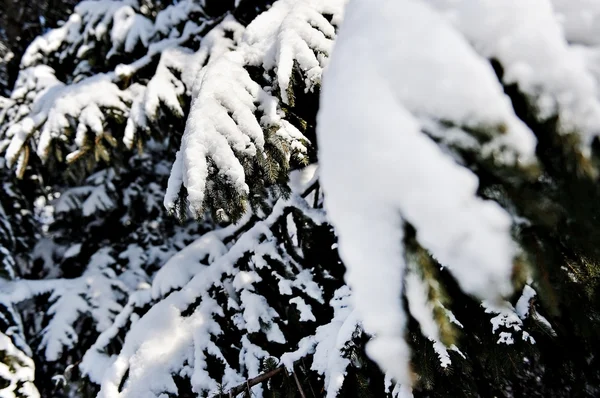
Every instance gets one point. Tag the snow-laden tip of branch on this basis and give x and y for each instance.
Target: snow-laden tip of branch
(402, 174)
(294, 31)
(55, 107)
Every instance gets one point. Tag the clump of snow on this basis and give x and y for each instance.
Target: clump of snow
(506, 322)
(522, 307)
(129, 28)
(331, 338)
(397, 390)
(293, 31)
(304, 309)
(188, 262)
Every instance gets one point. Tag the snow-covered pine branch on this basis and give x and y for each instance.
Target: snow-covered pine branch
(238, 139)
(458, 161)
(60, 118)
(17, 368)
(226, 296)
(488, 82)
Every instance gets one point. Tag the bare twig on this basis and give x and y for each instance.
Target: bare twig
(302, 395)
(254, 381)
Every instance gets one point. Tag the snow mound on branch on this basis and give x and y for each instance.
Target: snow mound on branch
(165, 89)
(41, 103)
(56, 107)
(409, 78)
(528, 40)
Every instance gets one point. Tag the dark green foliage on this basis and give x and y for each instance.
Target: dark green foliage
(20, 23)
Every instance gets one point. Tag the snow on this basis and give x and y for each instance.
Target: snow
(256, 312)
(397, 390)
(251, 356)
(522, 307)
(424, 78)
(506, 322)
(18, 372)
(60, 333)
(331, 339)
(150, 361)
(528, 40)
(328, 344)
(422, 310)
(53, 108)
(304, 309)
(95, 360)
(129, 28)
(579, 19)
(95, 293)
(181, 268)
(88, 199)
(89, 101)
(403, 176)
(293, 31)
(222, 128)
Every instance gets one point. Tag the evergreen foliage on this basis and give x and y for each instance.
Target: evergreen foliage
(169, 228)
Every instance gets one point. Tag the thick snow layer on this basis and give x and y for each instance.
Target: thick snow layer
(527, 39)
(164, 88)
(370, 136)
(580, 20)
